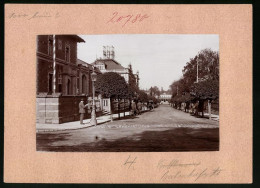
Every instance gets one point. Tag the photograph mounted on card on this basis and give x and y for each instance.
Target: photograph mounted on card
(141, 93)
(136, 104)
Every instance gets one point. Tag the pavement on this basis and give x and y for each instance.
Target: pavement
(162, 129)
(75, 124)
(100, 120)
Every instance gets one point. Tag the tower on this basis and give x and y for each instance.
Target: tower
(108, 52)
(104, 52)
(112, 53)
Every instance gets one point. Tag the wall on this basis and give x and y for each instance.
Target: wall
(58, 109)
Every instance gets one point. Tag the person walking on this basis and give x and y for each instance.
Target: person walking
(133, 107)
(139, 107)
(82, 110)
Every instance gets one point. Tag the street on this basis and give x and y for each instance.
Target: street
(162, 129)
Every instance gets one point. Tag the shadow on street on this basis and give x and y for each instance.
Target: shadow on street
(176, 139)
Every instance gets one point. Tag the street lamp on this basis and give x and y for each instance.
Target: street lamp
(93, 120)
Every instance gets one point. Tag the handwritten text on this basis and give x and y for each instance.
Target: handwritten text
(127, 19)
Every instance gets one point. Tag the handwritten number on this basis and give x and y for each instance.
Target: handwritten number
(126, 19)
(143, 17)
(129, 162)
(111, 20)
(137, 16)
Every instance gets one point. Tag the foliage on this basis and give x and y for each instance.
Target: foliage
(154, 91)
(208, 66)
(112, 85)
(155, 100)
(208, 89)
(208, 74)
(132, 91)
(142, 96)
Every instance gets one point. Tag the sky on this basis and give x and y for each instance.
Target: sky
(159, 58)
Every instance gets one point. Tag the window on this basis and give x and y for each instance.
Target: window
(50, 82)
(60, 78)
(60, 82)
(105, 103)
(67, 53)
(59, 44)
(68, 87)
(83, 87)
(50, 45)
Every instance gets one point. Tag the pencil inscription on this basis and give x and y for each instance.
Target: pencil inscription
(34, 15)
(130, 161)
(175, 169)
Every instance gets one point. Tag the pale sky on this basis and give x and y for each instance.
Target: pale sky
(159, 58)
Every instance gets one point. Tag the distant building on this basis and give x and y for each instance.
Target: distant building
(109, 64)
(165, 97)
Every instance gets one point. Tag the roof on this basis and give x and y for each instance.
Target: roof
(111, 64)
(81, 62)
(75, 37)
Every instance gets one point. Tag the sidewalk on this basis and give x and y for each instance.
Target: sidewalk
(75, 124)
(213, 116)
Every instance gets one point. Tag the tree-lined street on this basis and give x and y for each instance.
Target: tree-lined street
(162, 129)
(121, 108)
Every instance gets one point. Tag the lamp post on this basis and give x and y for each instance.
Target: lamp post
(93, 120)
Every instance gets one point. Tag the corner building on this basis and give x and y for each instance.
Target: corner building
(72, 79)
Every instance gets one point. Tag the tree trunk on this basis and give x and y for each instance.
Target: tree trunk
(118, 108)
(111, 113)
(209, 108)
(202, 108)
(124, 107)
(130, 101)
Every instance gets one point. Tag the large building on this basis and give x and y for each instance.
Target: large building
(109, 64)
(165, 97)
(63, 82)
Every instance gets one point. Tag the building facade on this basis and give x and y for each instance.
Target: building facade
(165, 97)
(109, 64)
(61, 83)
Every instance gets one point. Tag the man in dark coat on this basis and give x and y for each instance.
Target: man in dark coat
(133, 107)
(82, 110)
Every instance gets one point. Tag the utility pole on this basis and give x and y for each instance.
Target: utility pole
(197, 71)
(54, 65)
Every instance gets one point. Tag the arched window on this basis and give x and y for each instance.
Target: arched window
(68, 87)
(83, 87)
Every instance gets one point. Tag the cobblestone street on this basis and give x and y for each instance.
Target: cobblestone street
(162, 129)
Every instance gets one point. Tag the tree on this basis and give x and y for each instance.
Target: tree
(113, 86)
(154, 91)
(208, 67)
(207, 87)
(142, 96)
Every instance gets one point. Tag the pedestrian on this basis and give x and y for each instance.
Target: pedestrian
(139, 107)
(196, 107)
(133, 107)
(82, 110)
(150, 105)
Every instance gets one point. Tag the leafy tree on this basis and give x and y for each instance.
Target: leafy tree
(208, 89)
(113, 86)
(208, 67)
(154, 91)
(142, 96)
(186, 88)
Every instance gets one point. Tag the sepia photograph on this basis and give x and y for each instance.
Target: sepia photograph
(127, 93)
